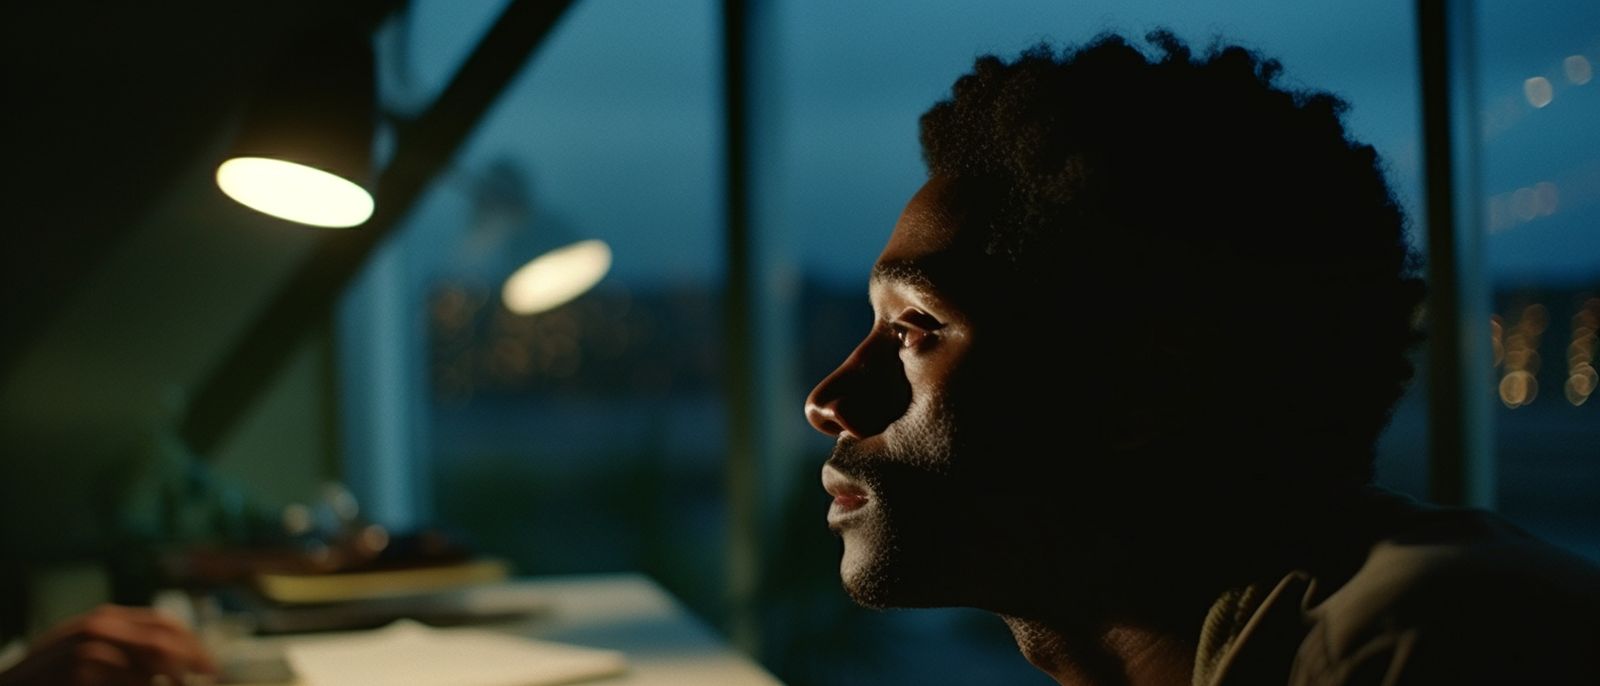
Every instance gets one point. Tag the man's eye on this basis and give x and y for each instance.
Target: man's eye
(910, 337)
(914, 329)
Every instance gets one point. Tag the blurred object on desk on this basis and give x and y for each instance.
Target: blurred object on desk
(323, 567)
(395, 582)
(471, 605)
(424, 577)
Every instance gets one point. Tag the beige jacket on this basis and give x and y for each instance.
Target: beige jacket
(1443, 597)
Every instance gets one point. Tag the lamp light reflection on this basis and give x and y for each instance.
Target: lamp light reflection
(556, 277)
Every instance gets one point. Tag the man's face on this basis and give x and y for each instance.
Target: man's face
(936, 472)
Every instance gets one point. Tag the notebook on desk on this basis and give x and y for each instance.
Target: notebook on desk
(411, 654)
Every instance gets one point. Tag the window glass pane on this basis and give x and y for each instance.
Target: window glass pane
(841, 88)
(420, 49)
(1540, 183)
(587, 437)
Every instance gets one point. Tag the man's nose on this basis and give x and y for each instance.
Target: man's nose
(863, 396)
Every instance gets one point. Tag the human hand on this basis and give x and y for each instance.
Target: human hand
(114, 645)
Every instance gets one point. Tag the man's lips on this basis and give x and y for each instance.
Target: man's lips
(847, 494)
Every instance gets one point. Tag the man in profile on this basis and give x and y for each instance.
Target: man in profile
(1134, 341)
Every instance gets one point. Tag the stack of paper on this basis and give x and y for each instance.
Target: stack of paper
(410, 654)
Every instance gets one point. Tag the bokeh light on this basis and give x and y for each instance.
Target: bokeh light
(1578, 69)
(1518, 388)
(1538, 91)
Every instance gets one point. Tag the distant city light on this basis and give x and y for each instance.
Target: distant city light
(1538, 91)
(1518, 388)
(1523, 359)
(1582, 380)
(1580, 350)
(1536, 317)
(1578, 390)
(1578, 69)
(1587, 377)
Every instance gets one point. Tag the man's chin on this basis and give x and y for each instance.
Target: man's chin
(875, 591)
(877, 581)
(862, 575)
(880, 592)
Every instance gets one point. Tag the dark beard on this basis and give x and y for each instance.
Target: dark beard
(899, 549)
(973, 516)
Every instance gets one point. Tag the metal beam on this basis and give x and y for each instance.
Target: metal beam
(1461, 466)
(739, 335)
(425, 147)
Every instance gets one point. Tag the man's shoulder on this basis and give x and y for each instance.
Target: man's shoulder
(1455, 596)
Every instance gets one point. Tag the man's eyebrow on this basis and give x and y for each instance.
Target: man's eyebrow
(911, 273)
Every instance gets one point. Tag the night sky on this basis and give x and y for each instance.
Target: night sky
(615, 125)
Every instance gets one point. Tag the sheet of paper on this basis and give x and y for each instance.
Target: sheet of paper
(406, 653)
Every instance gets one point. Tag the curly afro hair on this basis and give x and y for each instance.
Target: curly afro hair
(1241, 261)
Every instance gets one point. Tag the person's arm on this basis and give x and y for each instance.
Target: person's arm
(113, 645)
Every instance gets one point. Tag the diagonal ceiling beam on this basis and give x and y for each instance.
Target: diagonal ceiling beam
(425, 147)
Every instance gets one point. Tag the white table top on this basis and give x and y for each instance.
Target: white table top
(665, 645)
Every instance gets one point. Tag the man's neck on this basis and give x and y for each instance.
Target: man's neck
(1121, 655)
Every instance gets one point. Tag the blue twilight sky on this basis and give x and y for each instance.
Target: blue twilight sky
(616, 123)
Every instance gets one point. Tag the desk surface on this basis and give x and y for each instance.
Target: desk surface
(664, 643)
(629, 612)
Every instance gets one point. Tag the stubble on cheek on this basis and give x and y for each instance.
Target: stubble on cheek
(893, 546)
(865, 567)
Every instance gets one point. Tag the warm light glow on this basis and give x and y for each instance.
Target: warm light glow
(1587, 377)
(294, 192)
(373, 539)
(1578, 69)
(556, 277)
(1580, 352)
(1535, 317)
(1538, 91)
(1576, 393)
(1517, 389)
(1582, 380)
(1522, 359)
(1581, 384)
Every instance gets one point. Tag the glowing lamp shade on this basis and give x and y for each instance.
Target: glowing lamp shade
(295, 192)
(303, 148)
(556, 277)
